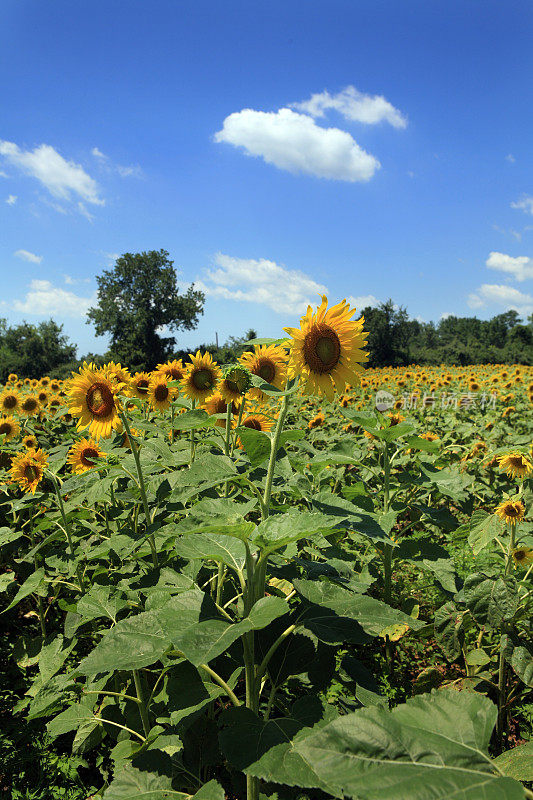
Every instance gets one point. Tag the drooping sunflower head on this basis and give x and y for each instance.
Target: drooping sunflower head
(510, 511)
(515, 465)
(9, 428)
(160, 394)
(27, 469)
(172, 369)
(30, 442)
(200, 377)
(91, 397)
(139, 385)
(217, 405)
(235, 382)
(9, 401)
(326, 351)
(268, 362)
(30, 406)
(84, 455)
(523, 556)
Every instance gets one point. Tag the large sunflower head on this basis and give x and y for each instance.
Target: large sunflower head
(9, 428)
(117, 374)
(200, 377)
(9, 401)
(30, 406)
(45, 381)
(515, 465)
(91, 397)
(268, 362)
(216, 404)
(172, 369)
(139, 385)
(30, 442)
(160, 394)
(27, 469)
(510, 511)
(235, 382)
(84, 455)
(523, 556)
(257, 420)
(326, 351)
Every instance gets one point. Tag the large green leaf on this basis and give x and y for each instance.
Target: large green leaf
(135, 784)
(375, 526)
(281, 529)
(373, 615)
(432, 748)
(482, 530)
(216, 547)
(432, 557)
(256, 444)
(517, 763)
(491, 600)
(449, 630)
(36, 583)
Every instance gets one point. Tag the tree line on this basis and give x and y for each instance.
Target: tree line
(140, 306)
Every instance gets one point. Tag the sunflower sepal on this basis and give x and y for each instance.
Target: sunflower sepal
(292, 387)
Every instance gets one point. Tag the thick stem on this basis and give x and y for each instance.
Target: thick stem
(239, 420)
(272, 460)
(228, 429)
(142, 487)
(142, 704)
(501, 725)
(221, 682)
(40, 609)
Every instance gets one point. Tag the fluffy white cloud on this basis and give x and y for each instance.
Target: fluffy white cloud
(43, 298)
(524, 204)
(11, 200)
(362, 301)
(26, 255)
(294, 142)
(354, 105)
(520, 267)
(62, 178)
(506, 296)
(285, 291)
(124, 172)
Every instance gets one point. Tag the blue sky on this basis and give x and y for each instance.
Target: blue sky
(369, 148)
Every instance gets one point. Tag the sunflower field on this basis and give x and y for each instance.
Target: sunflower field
(288, 578)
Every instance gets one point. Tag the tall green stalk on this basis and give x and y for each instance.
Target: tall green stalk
(501, 723)
(272, 460)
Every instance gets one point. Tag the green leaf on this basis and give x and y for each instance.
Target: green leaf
(71, 719)
(521, 661)
(101, 602)
(375, 526)
(434, 747)
(482, 530)
(36, 583)
(193, 420)
(449, 630)
(433, 557)
(491, 600)
(216, 547)
(278, 530)
(135, 784)
(373, 615)
(256, 443)
(419, 443)
(517, 763)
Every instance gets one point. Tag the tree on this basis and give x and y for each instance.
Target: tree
(33, 351)
(388, 334)
(137, 300)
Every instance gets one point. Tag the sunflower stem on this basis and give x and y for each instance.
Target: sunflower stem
(66, 528)
(228, 429)
(239, 420)
(137, 677)
(501, 723)
(40, 608)
(142, 487)
(272, 461)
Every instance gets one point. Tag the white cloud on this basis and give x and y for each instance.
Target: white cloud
(43, 298)
(98, 153)
(11, 200)
(62, 178)
(125, 172)
(510, 158)
(524, 204)
(70, 281)
(249, 280)
(294, 142)
(446, 314)
(362, 301)
(520, 267)
(26, 255)
(354, 105)
(506, 296)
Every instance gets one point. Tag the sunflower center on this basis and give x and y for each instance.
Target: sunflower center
(511, 511)
(100, 400)
(161, 392)
(174, 373)
(202, 379)
(516, 461)
(30, 404)
(88, 455)
(10, 401)
(32, 473)
(321, 349)
(142, 386)
(5, 428)
(232, 386)
(519, 555)
(252, 423)
(266, 370)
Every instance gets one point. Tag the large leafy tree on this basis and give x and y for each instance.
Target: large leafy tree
(32, 351)
(139, 298)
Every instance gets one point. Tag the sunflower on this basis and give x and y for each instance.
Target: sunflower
(12, 377)
(523, 556)
(172, 369)
(55, 402)
(235, 382)
(515, 465)
(55, 386)
(9, 401)
(268, 362)
(30, 405)
(257, 421)
(27, 469)
(91, 398)
(429, 436)
(317, 421)
(159, 394)
(510, 511)
(83, 455)
(326, 351)
(116, 373)
(43, 397)
(45, 381)
(30, 442)
(200, 377)
(395, 419)
(139, 384)
(9, 428)
(217, 405)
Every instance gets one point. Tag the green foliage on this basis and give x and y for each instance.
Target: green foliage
(31, 351)
(137, 298)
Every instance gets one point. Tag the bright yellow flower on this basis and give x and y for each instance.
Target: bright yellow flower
(200, 377)
(160, 394)
(515, 464)
(84, 455)
(9, 401)
(27, 469)
(268, 362)
(139, 385)
(91, 398)
(523, 556)
(172, 369)
(326, 352)
(510, 511)
(9, 428)
(30, 405)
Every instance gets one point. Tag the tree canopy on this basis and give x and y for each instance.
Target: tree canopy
(137, 300)
(32, 351)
